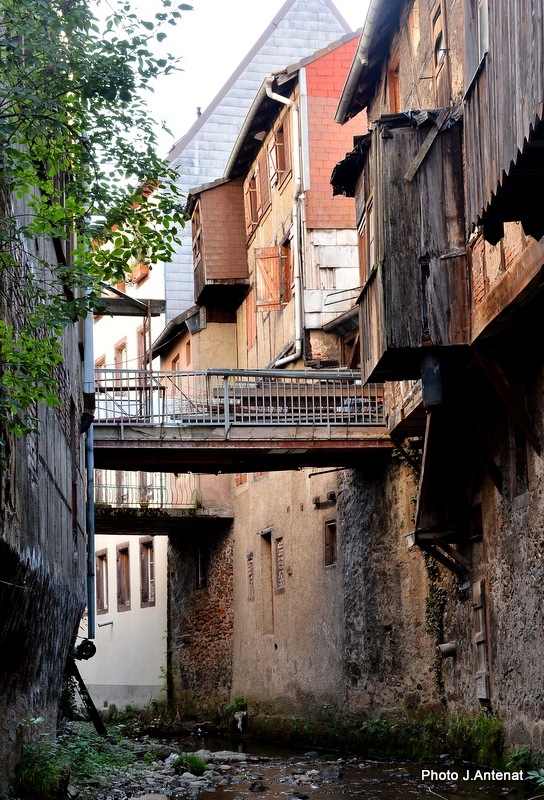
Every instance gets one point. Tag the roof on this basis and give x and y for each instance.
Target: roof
(365, 71)
(264, 109)
(180, 145)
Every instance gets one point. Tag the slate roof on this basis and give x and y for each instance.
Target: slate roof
(299, 29)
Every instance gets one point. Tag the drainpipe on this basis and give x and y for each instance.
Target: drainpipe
(297, 191)
(88, 392)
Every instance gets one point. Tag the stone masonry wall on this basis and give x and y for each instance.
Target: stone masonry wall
(201, 583)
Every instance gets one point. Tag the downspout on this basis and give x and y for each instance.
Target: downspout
(297, 191)
(88, 393)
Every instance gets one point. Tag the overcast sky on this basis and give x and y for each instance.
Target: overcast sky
(212, 39)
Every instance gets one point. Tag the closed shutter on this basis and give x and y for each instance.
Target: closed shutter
(267, 265)
(263, 182)
(480, 641)
(286, 148)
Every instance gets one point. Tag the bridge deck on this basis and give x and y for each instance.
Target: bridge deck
(235, 421)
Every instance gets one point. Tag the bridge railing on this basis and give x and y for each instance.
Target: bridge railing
(158, 490)
(236, 397)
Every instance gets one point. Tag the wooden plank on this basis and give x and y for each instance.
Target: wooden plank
(512, 399)
(126, 307)
(427, 144)
(442, 558)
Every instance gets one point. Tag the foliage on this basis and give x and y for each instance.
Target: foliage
(83, 195)
(190, 762)
(41, 773)
(524, 757)
(435, 606)
(68, 703)
(78, 754)
(537, 776)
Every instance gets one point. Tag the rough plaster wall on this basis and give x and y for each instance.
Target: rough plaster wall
(42, 556)
(292, 665)
(202, 620)
(387, 654)
(306, 27)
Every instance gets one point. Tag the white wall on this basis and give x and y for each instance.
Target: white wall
(131, 652)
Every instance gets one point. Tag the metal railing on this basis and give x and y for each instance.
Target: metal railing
(161, 490)
(236, 397)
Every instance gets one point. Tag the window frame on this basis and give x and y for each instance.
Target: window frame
(123, 576)
(148, 585)
(330, 543)
(101, 581)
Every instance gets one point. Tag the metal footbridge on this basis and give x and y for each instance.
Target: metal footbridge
(235, 420)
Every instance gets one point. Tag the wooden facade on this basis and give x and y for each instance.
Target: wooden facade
(219, 247)
(504, 106)
(411, 243)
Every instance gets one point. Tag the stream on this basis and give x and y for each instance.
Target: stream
(264, 771)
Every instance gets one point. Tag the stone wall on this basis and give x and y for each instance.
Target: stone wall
(42, 549)
(388, 656)
(201, 620)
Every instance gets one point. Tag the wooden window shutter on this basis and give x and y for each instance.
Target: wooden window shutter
(251, 205)
(267, 265)
(480, 641)
(287, 270)
(286, 148)
(263, 183)
(272, 162)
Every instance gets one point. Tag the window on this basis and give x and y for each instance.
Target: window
(123, 577)
(250, 577)
(366, 242)
(330, 543)
(439, 39)
(188, 355)
(102, 582)
(279, 564)
(240, 478)
(393, 85)
(142, 345)
(274, 277)
(121, 362)
(139, 273)
(267, 588)
(196, 226)
(257, 194)
(147, 572)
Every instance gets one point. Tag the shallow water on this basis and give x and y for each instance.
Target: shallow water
(285, 776)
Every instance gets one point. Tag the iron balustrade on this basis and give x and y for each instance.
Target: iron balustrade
(236, 397)
(160, 490)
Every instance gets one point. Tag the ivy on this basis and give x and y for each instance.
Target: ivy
(78, 173)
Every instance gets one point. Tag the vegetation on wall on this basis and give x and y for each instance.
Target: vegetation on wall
(79, 170)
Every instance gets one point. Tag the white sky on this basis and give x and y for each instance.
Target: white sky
(212, 39)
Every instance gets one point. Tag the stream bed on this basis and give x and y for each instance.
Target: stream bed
(260, 771)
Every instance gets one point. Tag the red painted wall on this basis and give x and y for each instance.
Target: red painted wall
(328, 141)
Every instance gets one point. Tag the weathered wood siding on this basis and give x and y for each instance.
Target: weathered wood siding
(417, 294)
(504, 101)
